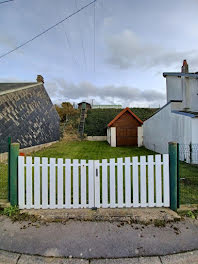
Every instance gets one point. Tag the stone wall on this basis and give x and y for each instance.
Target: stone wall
(28, 116)
(27, 151)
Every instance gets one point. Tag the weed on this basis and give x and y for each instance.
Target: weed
(11, 211)
(191, 214)
(159, 223)
(14, 213)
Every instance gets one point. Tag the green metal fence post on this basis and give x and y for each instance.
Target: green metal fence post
(9, 143)
(172, 146)
(190, 149)
(178, 178)
(14, 153)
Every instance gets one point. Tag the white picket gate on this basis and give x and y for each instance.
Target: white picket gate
(52, 183)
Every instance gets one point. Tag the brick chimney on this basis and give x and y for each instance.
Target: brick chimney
(40, 78)
(184, 68)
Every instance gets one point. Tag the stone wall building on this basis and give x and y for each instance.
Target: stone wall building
(27, 115)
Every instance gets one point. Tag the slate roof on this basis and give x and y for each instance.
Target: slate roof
(4, 87)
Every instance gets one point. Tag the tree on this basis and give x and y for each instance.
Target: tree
(66, 111)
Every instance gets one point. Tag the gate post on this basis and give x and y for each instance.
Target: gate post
(178, 178)
(9, 143)
(14, 153)
(172, 149)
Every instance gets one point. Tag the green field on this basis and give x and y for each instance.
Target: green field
(98, 119)
(101, 150)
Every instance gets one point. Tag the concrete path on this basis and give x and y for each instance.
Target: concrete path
(183, 258)
(92, 240)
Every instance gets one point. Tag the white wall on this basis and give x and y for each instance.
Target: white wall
(96, 138)
(183, 88)
(113, 136)
(164, 127)
(140, 136)
(195, 130)
(109, 135)
(194, 94)
(173, 88)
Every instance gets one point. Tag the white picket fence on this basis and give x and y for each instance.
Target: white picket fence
(44, 183)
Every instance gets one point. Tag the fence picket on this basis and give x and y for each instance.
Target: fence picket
(112, 184)
(97, 184)
(52, 183)
(166, 191)
(75, 183)
(83, 184)
(60, 183)
(143, 181)
(68, 183)
(135, 182)
(120, 182)
(150, 181)
(104, 184)
(44, 183)
(21, 183)
(91, 183)
(29, 182)
(86, 186)
(37, 187)
(127, 182)
(158, 181)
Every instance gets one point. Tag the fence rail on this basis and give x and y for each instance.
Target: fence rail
(52, 183)
(188, 153)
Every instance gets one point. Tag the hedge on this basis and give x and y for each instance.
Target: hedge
(98, 119)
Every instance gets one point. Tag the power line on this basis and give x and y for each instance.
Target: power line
(70, 47)
(45, 31)
(82, 42)
(94, 38)
(6, 1)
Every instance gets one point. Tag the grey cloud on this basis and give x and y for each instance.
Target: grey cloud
(127, 50)
(124, 95)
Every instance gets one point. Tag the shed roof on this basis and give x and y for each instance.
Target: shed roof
(121, 113)
(84, 102)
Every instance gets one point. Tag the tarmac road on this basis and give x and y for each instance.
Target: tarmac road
(93, 240)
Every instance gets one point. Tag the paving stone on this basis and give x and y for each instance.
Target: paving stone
(146, 260)
(8, 258)
(25, 259)
(182, 258)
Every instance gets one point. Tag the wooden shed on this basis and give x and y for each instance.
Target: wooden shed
(84, 105)
(125, 129)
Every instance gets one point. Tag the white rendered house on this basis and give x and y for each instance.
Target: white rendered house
(178, 119)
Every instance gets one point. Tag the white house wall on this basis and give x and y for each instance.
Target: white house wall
(173, 88)
(194, 94)
(194, 130)
(164, 127)
(184, 89)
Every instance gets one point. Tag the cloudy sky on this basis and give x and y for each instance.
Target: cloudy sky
(135, 42)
